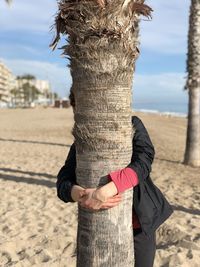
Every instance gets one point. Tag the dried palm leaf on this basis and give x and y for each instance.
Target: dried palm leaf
(59, 24)
(80, 19)
(101, 3)
(140, 9)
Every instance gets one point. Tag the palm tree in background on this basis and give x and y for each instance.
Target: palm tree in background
(26, 92)
(192, 151)
(30, 93)
(102, 48)
(8, 2)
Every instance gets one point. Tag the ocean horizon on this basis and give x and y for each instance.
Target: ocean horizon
(173, 108)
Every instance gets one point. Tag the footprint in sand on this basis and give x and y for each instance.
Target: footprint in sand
(189, 254)
(22, 255)
(42, 256)
(6, 229)
(197, 237)
(5, 258)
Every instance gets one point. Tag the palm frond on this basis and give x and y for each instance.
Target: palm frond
(101, 3)
(59, 24)
(141, 9)
(92, 13)
(130, 7)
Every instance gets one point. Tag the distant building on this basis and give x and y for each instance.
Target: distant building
(23, 91)
(7, 83)
(43, 86)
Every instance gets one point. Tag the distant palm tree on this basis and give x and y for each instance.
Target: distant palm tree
(25, 91)
(102, 48)
(30, 93)
(28, 77)
(192, 150)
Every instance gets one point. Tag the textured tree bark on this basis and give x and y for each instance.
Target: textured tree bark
(103, 137)
(192, 151)
(102, 50)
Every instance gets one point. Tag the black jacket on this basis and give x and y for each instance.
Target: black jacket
(149, 203)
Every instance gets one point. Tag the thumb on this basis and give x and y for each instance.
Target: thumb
(82, 193)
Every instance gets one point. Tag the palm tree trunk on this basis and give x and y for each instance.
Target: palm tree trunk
(192, 152)
(102, 50)
(103, 137)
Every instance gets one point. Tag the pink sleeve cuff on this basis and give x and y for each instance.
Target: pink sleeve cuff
(124, 179)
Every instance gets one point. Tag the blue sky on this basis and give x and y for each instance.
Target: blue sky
(160, 71)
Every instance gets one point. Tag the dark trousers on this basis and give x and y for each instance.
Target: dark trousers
(144, 248)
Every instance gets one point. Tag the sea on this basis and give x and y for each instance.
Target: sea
(177, 109)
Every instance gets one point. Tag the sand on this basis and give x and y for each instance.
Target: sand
(37, 229)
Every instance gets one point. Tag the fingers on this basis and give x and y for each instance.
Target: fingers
(86, 200)
(95, 207)
(89, 203)
(118, 196)
(113, 200)
(90, 207)
(109, 206)
(111, 203)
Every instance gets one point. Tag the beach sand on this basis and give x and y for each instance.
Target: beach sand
(37, 229)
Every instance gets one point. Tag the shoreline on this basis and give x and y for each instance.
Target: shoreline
(142, 110)
(164, 113)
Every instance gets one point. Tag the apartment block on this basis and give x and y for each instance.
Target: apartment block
(7, 83)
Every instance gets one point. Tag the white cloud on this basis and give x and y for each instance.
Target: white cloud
(14, 48)
(146, 87)
(59, 76)
(166, 33)
(22, 15)
(164, 86)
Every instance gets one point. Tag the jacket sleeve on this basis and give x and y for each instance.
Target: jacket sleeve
(66, 177)
(143, 150)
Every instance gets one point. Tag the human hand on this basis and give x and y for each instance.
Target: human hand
(89, 201)
(112, 202)
(77, 192)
